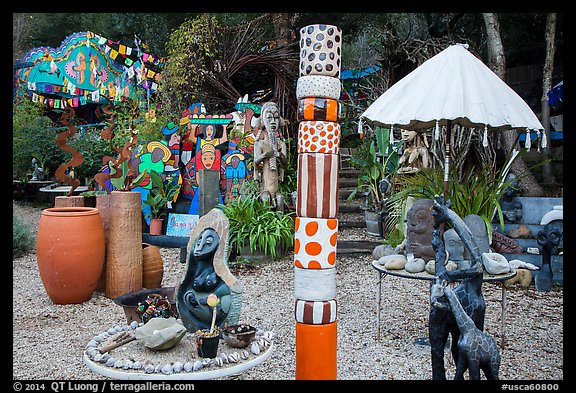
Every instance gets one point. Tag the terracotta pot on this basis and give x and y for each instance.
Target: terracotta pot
(152, 266)
(156, 226)
(70, 252)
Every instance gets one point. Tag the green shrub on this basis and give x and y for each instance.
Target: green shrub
(258, 226)
(23, 239)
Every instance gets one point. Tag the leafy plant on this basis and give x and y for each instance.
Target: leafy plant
(477, 192)
(123, 183)
(161, 193)
(373, 171)
(258, 226)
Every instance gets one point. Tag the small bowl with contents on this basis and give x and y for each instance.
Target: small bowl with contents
(239, 336)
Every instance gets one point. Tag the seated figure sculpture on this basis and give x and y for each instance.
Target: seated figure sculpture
(419, 230)
(469, 292)
(206, 273)
(415, 155)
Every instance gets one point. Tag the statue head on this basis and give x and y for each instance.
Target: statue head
(206, 244)
(408, 135)
(513, 188)
(419, 217)
(270, 117)
(454, 245)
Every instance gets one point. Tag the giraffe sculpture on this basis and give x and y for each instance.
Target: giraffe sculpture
(477, 350)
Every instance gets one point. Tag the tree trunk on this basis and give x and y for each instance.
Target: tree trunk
(497, 63)
(546, 86)
(282, 27)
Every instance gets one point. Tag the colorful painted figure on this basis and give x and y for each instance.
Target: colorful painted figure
(156, 155)
(236, 174)
(207, 156)
(80, 67)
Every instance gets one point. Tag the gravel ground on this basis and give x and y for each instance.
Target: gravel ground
(49, 340)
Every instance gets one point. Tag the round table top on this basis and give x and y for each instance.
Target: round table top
(427, 276)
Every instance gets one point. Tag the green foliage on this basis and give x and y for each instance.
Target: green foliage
(369, 161)
(290, 180)
(477, 192)
(23, 239)
(192, 49)
(258, 226)
(162, 192)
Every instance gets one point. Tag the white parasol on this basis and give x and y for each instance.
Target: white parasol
(452, 87)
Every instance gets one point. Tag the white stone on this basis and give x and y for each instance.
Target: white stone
(393, 262)
(495, 263)
(416, 265)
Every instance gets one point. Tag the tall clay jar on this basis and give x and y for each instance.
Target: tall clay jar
(124, 244)
(70, 252)
(152, 266)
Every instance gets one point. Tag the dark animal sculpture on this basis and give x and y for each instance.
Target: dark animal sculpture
(476, 349)
(469, 291)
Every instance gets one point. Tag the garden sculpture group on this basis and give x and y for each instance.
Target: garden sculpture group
(455, 311)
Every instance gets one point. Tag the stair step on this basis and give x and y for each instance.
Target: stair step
(349, 208)
(351, 224)
(346, 173)
(347, 182)
(356, 246)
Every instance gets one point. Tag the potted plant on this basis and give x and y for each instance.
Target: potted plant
(375, 180)
(159, 198)
(257, 231)
(207, 339)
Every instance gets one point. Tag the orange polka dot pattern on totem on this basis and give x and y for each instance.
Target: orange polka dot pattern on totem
(315, 242)
(318, 137)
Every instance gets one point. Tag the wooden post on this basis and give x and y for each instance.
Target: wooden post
(69, 201)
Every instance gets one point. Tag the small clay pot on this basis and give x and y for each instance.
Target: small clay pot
(152, 266)
(239, 336)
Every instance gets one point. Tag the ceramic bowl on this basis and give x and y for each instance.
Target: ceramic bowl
(129, 301)
(239, 336)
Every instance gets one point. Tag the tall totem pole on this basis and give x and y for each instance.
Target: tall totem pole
(316, 225)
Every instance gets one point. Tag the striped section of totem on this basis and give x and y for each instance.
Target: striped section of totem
(317, 185)
(318, 137)
(315, 313)
(317, 108)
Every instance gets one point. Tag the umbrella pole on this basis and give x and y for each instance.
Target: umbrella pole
(447, 157)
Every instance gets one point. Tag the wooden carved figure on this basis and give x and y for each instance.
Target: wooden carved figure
(270, 155)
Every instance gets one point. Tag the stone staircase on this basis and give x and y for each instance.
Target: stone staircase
(533, 209)
(350, 215)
